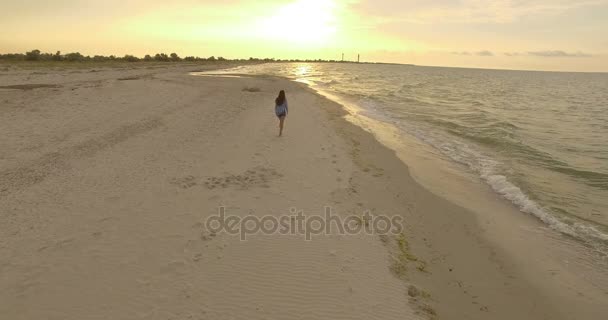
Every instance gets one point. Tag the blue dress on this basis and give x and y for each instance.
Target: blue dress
(281, 110)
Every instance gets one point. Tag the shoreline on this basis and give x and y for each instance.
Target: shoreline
(114, 181)
(514, 238)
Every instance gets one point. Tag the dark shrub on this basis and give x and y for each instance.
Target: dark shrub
(74, 56)
(32, 55)
(130, 58)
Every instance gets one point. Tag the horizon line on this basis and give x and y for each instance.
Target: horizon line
(190, 58)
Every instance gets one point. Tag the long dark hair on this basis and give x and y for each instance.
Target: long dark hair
(280, 99)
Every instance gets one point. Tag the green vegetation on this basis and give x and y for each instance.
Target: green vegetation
(37, 55)
(399, 265)
(404, 249)
(405, 256)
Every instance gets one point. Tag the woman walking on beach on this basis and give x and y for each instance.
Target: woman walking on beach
(281, 110)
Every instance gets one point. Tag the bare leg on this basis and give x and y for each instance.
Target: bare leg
(281, 121)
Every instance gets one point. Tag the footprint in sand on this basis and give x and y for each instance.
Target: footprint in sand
(206, 236)
(185, 182)
(255, 177)
(197, 257)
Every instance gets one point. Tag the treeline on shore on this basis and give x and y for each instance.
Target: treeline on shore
(37, 55)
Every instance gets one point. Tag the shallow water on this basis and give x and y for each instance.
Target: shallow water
(539, 139)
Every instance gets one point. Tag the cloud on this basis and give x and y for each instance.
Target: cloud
(550, 54)
(461, 53)
(485, 53)
(546, 53)
(559, 53)
(468, 11)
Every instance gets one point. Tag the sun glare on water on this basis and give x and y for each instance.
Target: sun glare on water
(305, 22)
(302, 70)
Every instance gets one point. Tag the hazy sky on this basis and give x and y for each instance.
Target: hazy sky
(514, 34)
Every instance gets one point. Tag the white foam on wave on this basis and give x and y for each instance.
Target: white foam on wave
(511, 192)
(488, 170)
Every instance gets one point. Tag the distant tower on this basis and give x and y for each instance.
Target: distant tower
(358, 57)
(342, 57)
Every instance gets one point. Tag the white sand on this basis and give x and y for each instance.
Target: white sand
(105, 186)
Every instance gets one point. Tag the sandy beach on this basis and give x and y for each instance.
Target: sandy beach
(108, 175)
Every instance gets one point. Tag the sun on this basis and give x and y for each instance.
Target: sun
(305, 22)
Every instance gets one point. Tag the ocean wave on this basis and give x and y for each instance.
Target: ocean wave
(489, 172)
(487, 169)
(591, 178)
(580, 230)
(409, 86)
(330, 82)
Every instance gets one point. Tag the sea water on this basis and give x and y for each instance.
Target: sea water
(538, 139)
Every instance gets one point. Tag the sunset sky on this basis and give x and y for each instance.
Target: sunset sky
(513, 34)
